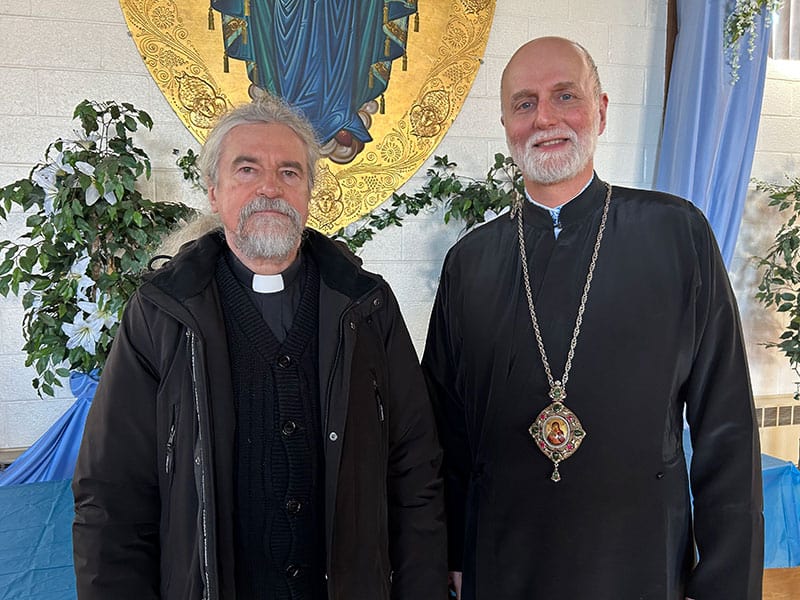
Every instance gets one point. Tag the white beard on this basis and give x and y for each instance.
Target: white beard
(268, 236)
(555, 167)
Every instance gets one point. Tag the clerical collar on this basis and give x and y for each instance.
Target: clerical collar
(264, 284)
(551, 208)
(555, 211)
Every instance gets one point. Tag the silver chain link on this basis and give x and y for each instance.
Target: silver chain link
(579, 319)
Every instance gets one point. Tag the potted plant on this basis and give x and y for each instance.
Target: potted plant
(780, 280)
(89, 235)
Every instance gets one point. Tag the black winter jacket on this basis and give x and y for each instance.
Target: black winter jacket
(154, 488)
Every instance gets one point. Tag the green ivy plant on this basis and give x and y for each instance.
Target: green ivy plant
(780, 277)
(740, 22)
(463, 198)
(89, 235)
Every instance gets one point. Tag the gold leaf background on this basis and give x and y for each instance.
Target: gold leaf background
(185, 59)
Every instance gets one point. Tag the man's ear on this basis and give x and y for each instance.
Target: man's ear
(212, 197)
(603, 112)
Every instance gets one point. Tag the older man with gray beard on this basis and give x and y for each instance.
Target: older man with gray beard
(565, 347)
(261, 429)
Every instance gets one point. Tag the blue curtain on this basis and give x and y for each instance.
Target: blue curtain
(710, 125)
(52, 457)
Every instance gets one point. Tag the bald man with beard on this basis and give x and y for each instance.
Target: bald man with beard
(607, 311)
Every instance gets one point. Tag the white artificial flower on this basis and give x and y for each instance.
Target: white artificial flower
(61, 168)
(93, 195)
(84, 167)
(82, 332)
(84, 283)
(77, 272)
(45, 178)
(79, 267)
(99, 311)
(84, 140)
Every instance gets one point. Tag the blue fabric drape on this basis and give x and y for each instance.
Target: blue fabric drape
(710, 125)
(52, 457)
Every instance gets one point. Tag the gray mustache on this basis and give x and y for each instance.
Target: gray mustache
(274, 204)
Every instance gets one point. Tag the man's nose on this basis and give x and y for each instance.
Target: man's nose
(269, 186)
(546, 115)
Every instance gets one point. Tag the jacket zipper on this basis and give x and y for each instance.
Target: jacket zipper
(378, 398)
(332, 375)
(170, 444)
(208, 592)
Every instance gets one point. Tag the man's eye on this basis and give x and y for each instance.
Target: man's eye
(566, 96)
(525, 105)
(291, 174)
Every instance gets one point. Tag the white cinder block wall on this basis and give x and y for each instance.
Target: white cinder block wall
(54, 54)
(777, 154)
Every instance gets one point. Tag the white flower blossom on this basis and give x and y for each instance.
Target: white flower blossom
(80, 266)
(45, 178)
(78, 272)
(84, 167)
(82, 332)
(741, 22)
(62, 168)
(99, 311)
(84, 140)
(93, 195)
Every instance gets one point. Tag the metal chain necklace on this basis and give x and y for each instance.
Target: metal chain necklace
(557, 431)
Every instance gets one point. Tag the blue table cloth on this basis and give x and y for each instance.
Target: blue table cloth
(781, 512)
(36, 542)
(36, 523)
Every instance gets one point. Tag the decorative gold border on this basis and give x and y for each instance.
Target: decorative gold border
(185, 59)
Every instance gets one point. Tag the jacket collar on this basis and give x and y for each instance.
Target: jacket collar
(192, 269)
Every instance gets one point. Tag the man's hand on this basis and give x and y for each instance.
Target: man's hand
(454, 584)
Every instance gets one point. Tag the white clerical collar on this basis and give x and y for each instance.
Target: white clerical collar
(267, 284)
(549, 208)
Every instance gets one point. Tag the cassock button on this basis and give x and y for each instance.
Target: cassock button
(659, 475)
(376, 302)
(284, 361)
(293, 507)
(293, 571)
(289, 427)
(333, 436)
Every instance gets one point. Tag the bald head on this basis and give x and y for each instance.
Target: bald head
(553, 45)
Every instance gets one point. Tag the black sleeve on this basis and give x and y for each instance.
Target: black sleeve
(726, 461)
(439, 364)
(117, 506)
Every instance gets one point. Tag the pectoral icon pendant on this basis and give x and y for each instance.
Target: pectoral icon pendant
(557, 431)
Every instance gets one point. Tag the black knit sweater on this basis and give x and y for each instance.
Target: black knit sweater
(279, 504)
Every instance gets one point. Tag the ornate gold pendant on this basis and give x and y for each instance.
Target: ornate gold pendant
(558, 432)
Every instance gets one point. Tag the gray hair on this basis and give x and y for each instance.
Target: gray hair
(265, 109)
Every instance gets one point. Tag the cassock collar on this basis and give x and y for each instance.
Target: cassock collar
(579, 208)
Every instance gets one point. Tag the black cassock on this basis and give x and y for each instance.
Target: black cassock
(660, 334)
